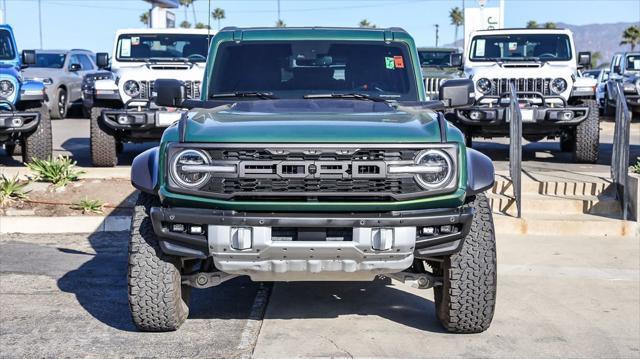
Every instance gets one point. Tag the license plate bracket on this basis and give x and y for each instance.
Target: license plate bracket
(166, 119)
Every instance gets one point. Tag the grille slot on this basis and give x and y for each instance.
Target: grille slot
(192, 89)
(501, 86)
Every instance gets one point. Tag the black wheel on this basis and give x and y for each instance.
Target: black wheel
(587, 136)
(103, 145)
(38, 144)
(466, 301)
(60, 104)
(156, 294)
(567, 141)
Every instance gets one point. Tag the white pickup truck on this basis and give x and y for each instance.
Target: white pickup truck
(542, 65)
(122, 107)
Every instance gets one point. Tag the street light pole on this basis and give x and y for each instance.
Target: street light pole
(437, 36)
(279, 11)
(40, 20)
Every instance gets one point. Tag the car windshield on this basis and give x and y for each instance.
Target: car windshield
(165, 47)
(6, 46)
(434, 58)
(633, 62)
(49, 61)
(521, 47)
(592, 74)
(295, 69)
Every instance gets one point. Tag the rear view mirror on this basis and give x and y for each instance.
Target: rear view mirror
(102, 60)
(169, 92)
(584, 58)
(457, 92)
(455, 60)
(28, 57)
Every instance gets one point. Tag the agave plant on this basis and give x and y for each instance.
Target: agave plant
(11, 189)
(59, 171)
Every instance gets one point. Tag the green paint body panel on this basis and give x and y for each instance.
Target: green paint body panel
(224, 125)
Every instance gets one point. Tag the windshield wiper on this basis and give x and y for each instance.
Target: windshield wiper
(257, 94)
(168, 59)
(355, 96)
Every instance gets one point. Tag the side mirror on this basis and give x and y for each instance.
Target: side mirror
(75, 67)
(457, 92)
(28, 57)
(169, 92)
(102, 60)
(584, 58)
(455, 60)
(616, 69)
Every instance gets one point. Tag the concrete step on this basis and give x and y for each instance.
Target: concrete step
(558, 204)
(581, 225)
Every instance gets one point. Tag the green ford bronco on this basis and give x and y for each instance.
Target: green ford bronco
(312, 155)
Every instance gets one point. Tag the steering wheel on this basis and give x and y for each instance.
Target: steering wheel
(548, 54)
(196, 57)
(371, 86)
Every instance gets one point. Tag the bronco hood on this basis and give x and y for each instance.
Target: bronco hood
(312, 121)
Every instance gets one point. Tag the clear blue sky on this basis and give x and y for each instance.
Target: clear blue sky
(91, 24)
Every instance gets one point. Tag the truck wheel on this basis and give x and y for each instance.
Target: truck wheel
(59, 104)
(103, 145)
(38, 144)
(156, 294)
(587, 136)
(466, 300)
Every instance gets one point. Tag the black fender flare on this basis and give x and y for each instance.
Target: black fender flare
(144, 171)
(480, 172)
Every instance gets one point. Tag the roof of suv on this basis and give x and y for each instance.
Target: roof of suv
(316, 32)
(515, 31)
(166, 31)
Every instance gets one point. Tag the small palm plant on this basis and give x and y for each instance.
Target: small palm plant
(11, 189)
(95, 206)
(59, 171)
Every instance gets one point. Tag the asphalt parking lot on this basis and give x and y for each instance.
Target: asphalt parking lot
(65, 296)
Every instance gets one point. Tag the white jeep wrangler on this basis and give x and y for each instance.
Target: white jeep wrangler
(542, 64)
(123, 110)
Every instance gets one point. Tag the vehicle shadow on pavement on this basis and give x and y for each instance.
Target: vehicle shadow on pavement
(327, 300)
(79, 148)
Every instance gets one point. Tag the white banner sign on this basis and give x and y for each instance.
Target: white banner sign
(481, 18)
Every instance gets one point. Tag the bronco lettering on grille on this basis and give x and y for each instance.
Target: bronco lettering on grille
(312, 169)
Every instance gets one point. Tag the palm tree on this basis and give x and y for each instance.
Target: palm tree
(631, 37)
(532, 24)
(457, 19)
(280, 23)
(218, 14)
(144, 18)
(550, 25)
(185, 24)
(595, 58)
(186, 4)
(366, 23)
(200, 25)
(193, 9)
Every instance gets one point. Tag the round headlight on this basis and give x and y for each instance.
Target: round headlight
(558, 86)
(484, 85)
(442, 165)
(131, 88)
(189, 177)
(6, 88)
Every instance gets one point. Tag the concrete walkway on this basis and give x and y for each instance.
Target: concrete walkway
(566, 298)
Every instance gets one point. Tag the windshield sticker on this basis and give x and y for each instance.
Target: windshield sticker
(398, 62)
(480, 43)
(390, 64)
(125, 48)
(513, 46)
(636, 64)
(135, 40)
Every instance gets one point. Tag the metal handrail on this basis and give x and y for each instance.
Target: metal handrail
(620, 153)
(514, 117)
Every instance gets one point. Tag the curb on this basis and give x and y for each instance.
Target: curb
(89, 172)
(70, 224)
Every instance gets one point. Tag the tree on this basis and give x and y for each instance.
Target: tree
(595, 58)
(144, 18)
(185, 24)
(532, 24)
(631, 37)
(280, 23)
(186, 4)
(200, 25)
(550, 25)
(218, 15)
(457, 19)
(366, 23)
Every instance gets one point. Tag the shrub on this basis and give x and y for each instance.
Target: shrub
(11, 189)
(59, 171)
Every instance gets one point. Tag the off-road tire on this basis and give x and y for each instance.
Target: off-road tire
(466, 300)
(156, 294)
(587, 136)
(103, 145)
(56, 111)
(38, 144)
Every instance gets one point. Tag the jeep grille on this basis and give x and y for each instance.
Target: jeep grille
(501, 86)
(192, 88)
(432, 86)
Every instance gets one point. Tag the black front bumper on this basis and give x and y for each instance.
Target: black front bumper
(30, 121)
(633, 102)
(132, 123)
(192, 245)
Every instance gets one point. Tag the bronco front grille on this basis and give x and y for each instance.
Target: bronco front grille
(501, 86)
(192, 89)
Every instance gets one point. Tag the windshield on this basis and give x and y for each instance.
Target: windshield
(434, 58)
(633, 62)
(591, 74)
(548, 47)
(50, 61)
(166, 47)
(6, 46)
(293, 69)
